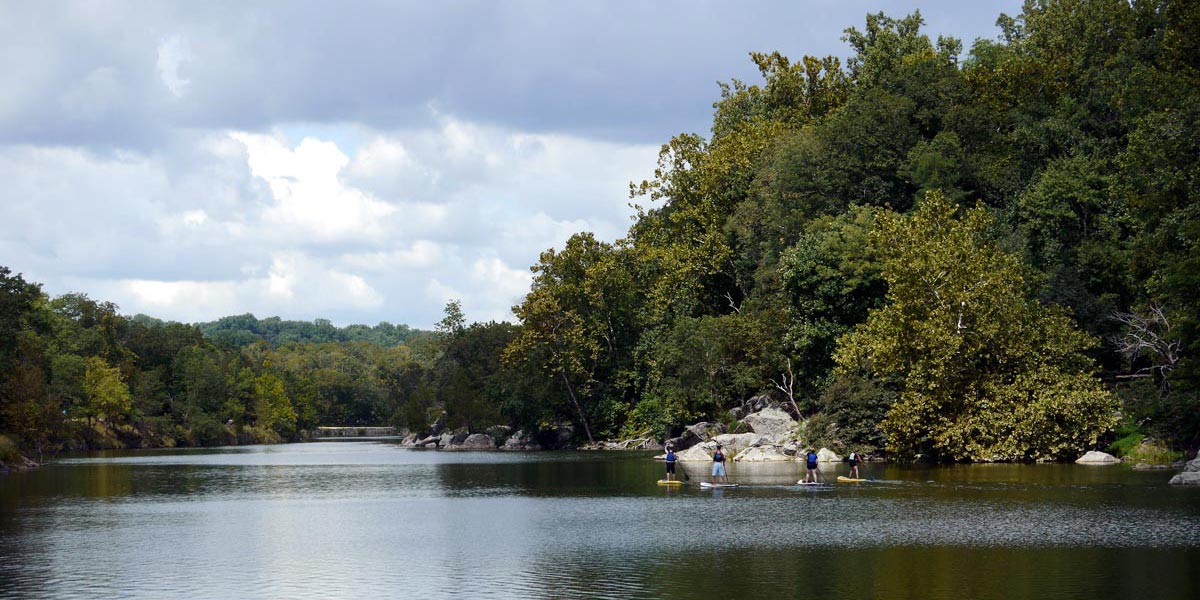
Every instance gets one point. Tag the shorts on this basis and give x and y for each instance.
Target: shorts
(812, 466)
(853, 463)
(671, 468)
(718, 470)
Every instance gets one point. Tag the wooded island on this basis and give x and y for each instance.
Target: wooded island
(981, 255)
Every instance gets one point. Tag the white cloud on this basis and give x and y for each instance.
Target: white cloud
(308, 192)
(232, 222)
(172, 53)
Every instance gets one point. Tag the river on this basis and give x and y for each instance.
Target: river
(367, 519)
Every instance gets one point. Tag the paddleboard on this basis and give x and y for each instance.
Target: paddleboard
(718, 485)
(802, 482)
(844, 479)
(670, 482)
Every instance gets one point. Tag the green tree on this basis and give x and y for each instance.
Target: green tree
(108, 397)
(986, 372)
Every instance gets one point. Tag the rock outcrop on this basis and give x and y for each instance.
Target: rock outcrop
(826, 455)
(696, 434)
(772, 423)
(768, 452)
(475, 441)
(733, 443)
(1097, 458)
(521, 442)
(1190, 474)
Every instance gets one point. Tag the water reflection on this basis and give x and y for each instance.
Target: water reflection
(361, 519)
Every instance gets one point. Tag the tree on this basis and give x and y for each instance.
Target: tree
(986, 372)
(108, 397)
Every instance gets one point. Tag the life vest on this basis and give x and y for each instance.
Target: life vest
(670, 456)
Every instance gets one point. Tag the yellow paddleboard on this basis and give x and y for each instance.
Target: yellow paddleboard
(844, 479)
(671, 482)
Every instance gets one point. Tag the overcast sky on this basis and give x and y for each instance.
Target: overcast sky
(358, 161)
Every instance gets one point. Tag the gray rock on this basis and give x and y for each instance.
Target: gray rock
(499, 433)
(737, 413)
(697, 453)
(563, 434)
(1097, 458)
(428, 441)
(736, 442)
(1190, 474)
(826, 455)
(477, 441)
(438, 425)
(520, 441)
(757, 403)
(1193, 465)
(1186, 478)
(764, 453)
(733, 443)
(695, 434)
(772, 423)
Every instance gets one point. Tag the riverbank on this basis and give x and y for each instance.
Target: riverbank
(11, 458)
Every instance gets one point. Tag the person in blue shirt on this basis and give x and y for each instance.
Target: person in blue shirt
(670, 463)
(719, 465)
(811, 462)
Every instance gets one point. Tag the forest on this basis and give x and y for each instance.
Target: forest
(963, 255)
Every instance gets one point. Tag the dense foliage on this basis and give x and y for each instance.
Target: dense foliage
(1063, 162)
(983, 255)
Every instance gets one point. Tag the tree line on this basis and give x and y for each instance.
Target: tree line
(981, 255)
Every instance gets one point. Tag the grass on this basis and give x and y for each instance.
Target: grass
(1137, 448)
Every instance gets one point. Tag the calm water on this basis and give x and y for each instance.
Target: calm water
(367, 519)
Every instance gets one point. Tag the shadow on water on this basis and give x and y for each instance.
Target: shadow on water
(369, 518)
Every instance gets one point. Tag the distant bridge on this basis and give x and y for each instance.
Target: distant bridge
(322, 432)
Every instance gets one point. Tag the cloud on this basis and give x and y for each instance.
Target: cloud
(359, 163)
(309, 197)
(172, 53)
(229, 222)
(630, 72)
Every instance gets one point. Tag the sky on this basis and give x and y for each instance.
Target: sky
(359, 161)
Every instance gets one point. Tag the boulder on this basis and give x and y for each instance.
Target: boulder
(772, 423)
(563, 434)
(477, 441)
(765, 453)
(757, 403)
(1186, 478)
(1190, 474)
(438, 425)
(733, 443)
(424, 442)
(499, 433)
(736, 442)
(826, 455)
(520, 441)
(409, 440)
(695, 434)
(1097, 458)
(697, 453)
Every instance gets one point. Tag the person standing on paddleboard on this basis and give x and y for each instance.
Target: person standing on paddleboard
(854, 459)
(719, 466)
(810, 458)
(670, 463)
